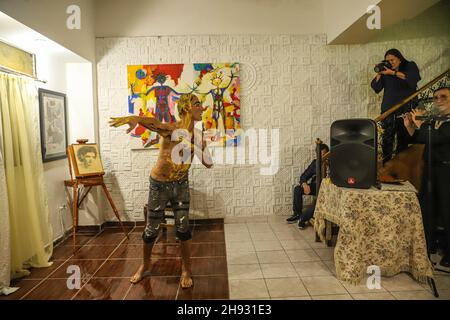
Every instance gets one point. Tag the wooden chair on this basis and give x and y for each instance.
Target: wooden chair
(322, 165)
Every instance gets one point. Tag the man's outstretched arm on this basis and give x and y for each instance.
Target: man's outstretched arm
(152, 124)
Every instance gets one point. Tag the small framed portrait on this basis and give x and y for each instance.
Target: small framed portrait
(86, 160)
(53, 123)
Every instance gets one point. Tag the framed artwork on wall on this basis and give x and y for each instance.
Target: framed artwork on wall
(53, 123)
(154, 91)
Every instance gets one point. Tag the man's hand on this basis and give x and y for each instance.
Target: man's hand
(132, 121)
(306, 188)
(407, 120)
(409, 124)
(387, 71)
(414, 114)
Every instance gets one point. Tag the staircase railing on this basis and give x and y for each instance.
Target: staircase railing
(397, 106)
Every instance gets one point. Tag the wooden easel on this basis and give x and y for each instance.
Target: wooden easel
(86, 181)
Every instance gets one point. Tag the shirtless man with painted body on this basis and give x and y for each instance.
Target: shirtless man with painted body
(169, 178)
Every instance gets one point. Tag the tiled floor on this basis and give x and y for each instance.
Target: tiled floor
(107, 261)
(269, 259)
(256, 258)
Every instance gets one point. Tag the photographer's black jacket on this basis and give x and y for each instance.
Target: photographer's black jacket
(309, 173)
(440, 142)
(396, 89)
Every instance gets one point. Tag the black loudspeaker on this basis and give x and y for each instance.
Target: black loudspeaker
(353, 153)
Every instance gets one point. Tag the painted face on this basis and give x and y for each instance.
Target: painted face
(441, 99)
(216, 82)
(394, 61)
(216, 79)
(161, 78)
(323, 152)
(197, 109)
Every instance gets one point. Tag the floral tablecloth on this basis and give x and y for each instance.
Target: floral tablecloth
(376, 227)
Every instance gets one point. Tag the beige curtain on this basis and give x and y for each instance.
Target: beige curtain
(30, 234)
(4, 231)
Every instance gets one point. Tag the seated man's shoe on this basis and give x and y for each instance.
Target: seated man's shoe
(434, 257)
(293, 218)
(445, 261)
(301, 224)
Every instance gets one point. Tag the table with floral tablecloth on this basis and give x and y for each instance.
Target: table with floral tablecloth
(381, 227)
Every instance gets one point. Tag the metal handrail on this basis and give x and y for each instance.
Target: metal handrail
(397, 106)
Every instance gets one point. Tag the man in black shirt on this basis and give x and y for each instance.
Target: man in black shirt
(306, 186)
(440, 171)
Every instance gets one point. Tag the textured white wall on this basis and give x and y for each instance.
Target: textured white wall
(292, 82)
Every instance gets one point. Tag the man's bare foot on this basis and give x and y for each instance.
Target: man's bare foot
(139, 275)
(186, 280)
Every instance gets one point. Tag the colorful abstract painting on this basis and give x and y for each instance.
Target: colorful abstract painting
(154, 91)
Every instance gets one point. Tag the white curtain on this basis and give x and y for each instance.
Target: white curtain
(29, 231)
(5, 256)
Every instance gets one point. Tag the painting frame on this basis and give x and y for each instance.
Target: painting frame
(154, 91)
(80, 168)
(53, 124)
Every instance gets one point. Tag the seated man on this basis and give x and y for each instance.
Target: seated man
(307, 186)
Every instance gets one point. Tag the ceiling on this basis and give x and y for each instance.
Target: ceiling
(25, 38)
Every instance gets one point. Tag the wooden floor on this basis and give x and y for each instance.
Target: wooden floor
(264, 258)
(108, 260)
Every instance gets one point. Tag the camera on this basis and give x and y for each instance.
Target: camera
(383, 64)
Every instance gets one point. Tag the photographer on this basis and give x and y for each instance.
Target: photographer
(440, 170)
(398, 77)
